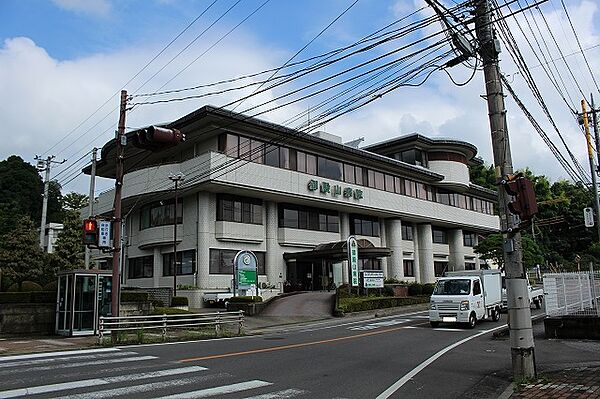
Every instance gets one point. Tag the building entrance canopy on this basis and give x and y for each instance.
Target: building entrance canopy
(337, 252)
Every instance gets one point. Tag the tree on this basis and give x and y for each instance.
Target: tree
(74, 201)
(55, 199)
(69, 251)
(483, 176)
(21, 187)
(491, 248)
(21, 258)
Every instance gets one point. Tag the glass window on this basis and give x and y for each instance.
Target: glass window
(440, 268)
(290, 218)
(239, 209)
(221, 261)
(407, 232)
(469, 239)
(258, 151)
(358, 175)
(349, 174)
(369, 264)
(272, 155)
(476, 288)
(301, 161)
(311, 164)
(469, 266)
(186, 263)
(245, 148)
(399, 183)
(364, 225)
(421, 192)
(229, 144)
(329, 169)
(409, 268)
(298, 217)
(284, 157)
(141, 267)
(410, 188)
(160, 213)
(293, 160)
(389, 183)
(440, 236)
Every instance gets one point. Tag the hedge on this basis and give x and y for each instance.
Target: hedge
(179, 301)
(159, 311)
(26, 286)
(134, 296)
(245, 299)
(28, 297)
(360, 304)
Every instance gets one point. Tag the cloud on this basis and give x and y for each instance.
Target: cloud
(99, 8)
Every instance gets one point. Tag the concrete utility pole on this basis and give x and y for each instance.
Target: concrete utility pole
(175, 178)
(45, 165)
(588, 138)
(91, 200)
(119, 157)
(519, 313)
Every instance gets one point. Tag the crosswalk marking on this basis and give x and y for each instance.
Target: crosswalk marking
(372, 326)
(70, 358)
(285, 394)
(205, 393)
(56, 354)
(80, 364)
(14, 393)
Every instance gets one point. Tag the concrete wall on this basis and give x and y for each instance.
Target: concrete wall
(27, 318)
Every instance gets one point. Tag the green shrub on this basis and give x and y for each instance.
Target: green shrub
(428, 289)
(245, 299)
(134, 296)
(157, 303)
(26, 286)
(159, 311)
(361, 304)
(179, 301)
(415, 289)
(388, 290)
(391, 280)
(51, 286)
(186, 287)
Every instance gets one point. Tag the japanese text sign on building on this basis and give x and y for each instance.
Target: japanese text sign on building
(335, 190)
(372, 279)
(104, 236)
(353, 260)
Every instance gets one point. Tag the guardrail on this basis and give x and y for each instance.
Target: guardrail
(217, 320)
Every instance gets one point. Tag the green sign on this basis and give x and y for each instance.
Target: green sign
(334, 190)
(246, 277)
(353, 260)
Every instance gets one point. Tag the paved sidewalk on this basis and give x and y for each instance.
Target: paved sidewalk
(21, 345)
(571, 383)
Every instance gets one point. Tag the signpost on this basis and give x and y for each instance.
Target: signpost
(104, 239)
(372, 278)
(353, 260)
(588, 216)
(245, 274)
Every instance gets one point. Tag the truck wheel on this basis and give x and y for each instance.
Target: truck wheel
(538, 303)
(496, 314)
(472, 320)
(434, 324)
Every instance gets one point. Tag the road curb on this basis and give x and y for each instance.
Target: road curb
(503, 332)
(508, 391)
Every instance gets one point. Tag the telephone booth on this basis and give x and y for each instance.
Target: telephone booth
(83, 296)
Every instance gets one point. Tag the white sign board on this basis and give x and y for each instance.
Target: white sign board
(104, 236)
(372, 279)
(588, 216)
(353, 260)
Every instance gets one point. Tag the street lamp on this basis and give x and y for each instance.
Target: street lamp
(176, 178)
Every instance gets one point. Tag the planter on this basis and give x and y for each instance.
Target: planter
(400, 290)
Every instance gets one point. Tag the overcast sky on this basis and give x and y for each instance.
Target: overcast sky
(61, 60)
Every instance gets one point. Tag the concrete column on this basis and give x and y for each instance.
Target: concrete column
(477, 260)
(394, 242)
(344, 233)
(206, 225)
(417, 261)
(425, 243)
(274, 256)
(456, 260)
(384, 239)
(158, 269)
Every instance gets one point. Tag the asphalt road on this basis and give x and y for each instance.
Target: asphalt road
(395, 356)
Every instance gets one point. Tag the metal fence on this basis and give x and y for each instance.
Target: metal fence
(575, 294)
(163, 323)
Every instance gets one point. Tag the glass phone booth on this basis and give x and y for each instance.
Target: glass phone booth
(83, 296)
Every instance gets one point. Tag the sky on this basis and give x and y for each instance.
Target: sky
(62, 62)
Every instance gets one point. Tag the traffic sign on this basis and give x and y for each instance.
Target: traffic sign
(353, 260)
(588, 216)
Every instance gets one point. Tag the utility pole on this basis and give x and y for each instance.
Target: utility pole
(45, 165)
(91, 201)
(121, 141)
(519, 313)
(175, 178)
(588, 138)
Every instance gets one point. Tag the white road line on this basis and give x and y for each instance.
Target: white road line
(70, 358)
(371, 326)
(449, 329)
(55, 354)
(285, 394)
(222, 390)
(80, 364)
(14, 393)
(398, 384)
(128, 391)
(362, 321)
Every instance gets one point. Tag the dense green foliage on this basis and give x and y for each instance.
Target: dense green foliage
(69, 250)
(357, 304)
(179, 301)
(134, 296)
(245, 299)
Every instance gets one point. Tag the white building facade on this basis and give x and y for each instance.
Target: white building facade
(290, 197)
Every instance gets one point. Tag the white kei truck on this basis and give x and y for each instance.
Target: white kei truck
(466, 297)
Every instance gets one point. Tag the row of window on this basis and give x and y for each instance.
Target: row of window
(143, 266)
(239, 209)
(250, 149)
(440, 236)
(300, 217)
(160, 213)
